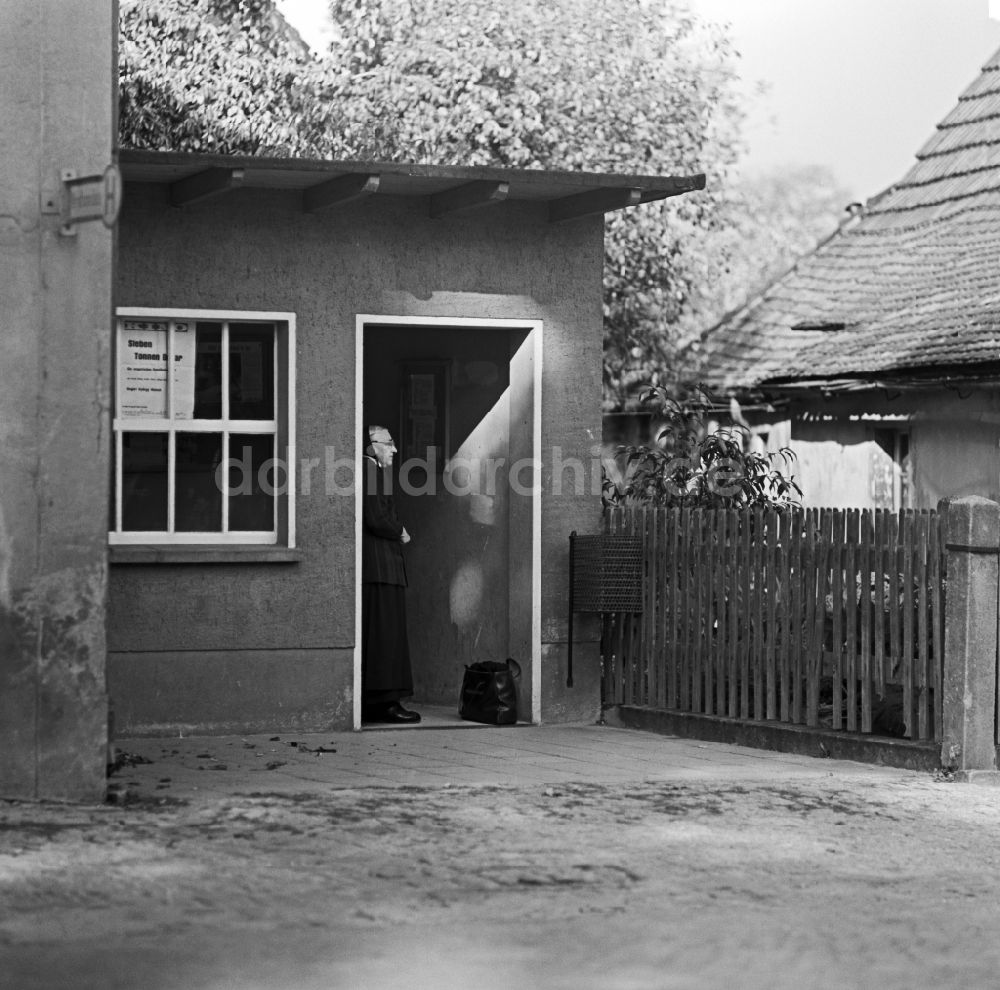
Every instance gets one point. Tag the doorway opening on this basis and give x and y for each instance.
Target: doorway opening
(462, 397)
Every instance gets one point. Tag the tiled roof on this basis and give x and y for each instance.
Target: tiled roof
(911, 285)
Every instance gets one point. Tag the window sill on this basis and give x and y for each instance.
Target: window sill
(207, 554)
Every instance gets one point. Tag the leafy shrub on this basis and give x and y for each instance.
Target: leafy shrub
(692, 467)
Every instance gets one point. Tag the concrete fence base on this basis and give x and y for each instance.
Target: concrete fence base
(782, 737)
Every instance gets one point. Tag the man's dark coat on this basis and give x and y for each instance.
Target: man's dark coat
(381, 549)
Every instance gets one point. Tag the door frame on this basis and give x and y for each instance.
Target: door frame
(534, 332)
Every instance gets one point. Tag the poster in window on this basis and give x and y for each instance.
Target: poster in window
(142, 369)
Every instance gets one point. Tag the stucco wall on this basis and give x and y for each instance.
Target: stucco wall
(179, 633)
(55, 113)
(954, 442)
(956, 446)
(832, 463)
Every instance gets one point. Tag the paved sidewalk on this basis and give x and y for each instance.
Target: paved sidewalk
(206, 768)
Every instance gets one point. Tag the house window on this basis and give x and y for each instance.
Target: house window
(203, 422)
(890, 469)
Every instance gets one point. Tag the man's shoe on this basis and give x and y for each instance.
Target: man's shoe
(397, 713)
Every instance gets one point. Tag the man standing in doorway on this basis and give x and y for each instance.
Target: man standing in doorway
(386, 677)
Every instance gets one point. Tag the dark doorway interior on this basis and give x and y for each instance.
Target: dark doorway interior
(458, 401)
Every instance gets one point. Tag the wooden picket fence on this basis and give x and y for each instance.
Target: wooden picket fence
(824, 617)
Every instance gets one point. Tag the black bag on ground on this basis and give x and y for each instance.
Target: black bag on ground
(489, 692)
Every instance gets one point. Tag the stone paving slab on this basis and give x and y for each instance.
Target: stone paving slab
(204, 768)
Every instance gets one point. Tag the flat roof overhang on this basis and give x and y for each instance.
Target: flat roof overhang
(324, 185)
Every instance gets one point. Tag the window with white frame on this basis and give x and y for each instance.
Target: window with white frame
(201, 450)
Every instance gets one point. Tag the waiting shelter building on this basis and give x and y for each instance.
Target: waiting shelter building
(265, 310)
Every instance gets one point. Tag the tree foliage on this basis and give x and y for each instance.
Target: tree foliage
(601, 85)
(227, 76)
(692, 467)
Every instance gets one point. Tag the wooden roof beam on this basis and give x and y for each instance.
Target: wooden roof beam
(471, 194)
(338, 191)
(203, 185)
(609, 198)
(602, 200)
(675, 187)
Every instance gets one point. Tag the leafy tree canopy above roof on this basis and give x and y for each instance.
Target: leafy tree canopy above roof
(598, 85)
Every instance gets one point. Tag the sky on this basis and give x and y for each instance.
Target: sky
(855, 85)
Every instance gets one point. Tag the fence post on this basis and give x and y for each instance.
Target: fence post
(972, 538)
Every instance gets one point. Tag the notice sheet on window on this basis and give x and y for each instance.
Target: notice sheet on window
(142, 369)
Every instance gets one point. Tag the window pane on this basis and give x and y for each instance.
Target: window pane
(251, 371)
(251, 482)
(144, 481)
(198, 498)
(208, 372)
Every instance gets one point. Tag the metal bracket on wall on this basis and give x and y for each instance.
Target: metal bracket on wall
(85, 197)
(65, 176)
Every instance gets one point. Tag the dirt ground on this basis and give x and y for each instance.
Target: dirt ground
(824, 882)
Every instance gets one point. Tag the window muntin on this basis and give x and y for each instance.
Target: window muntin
(194, 457)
